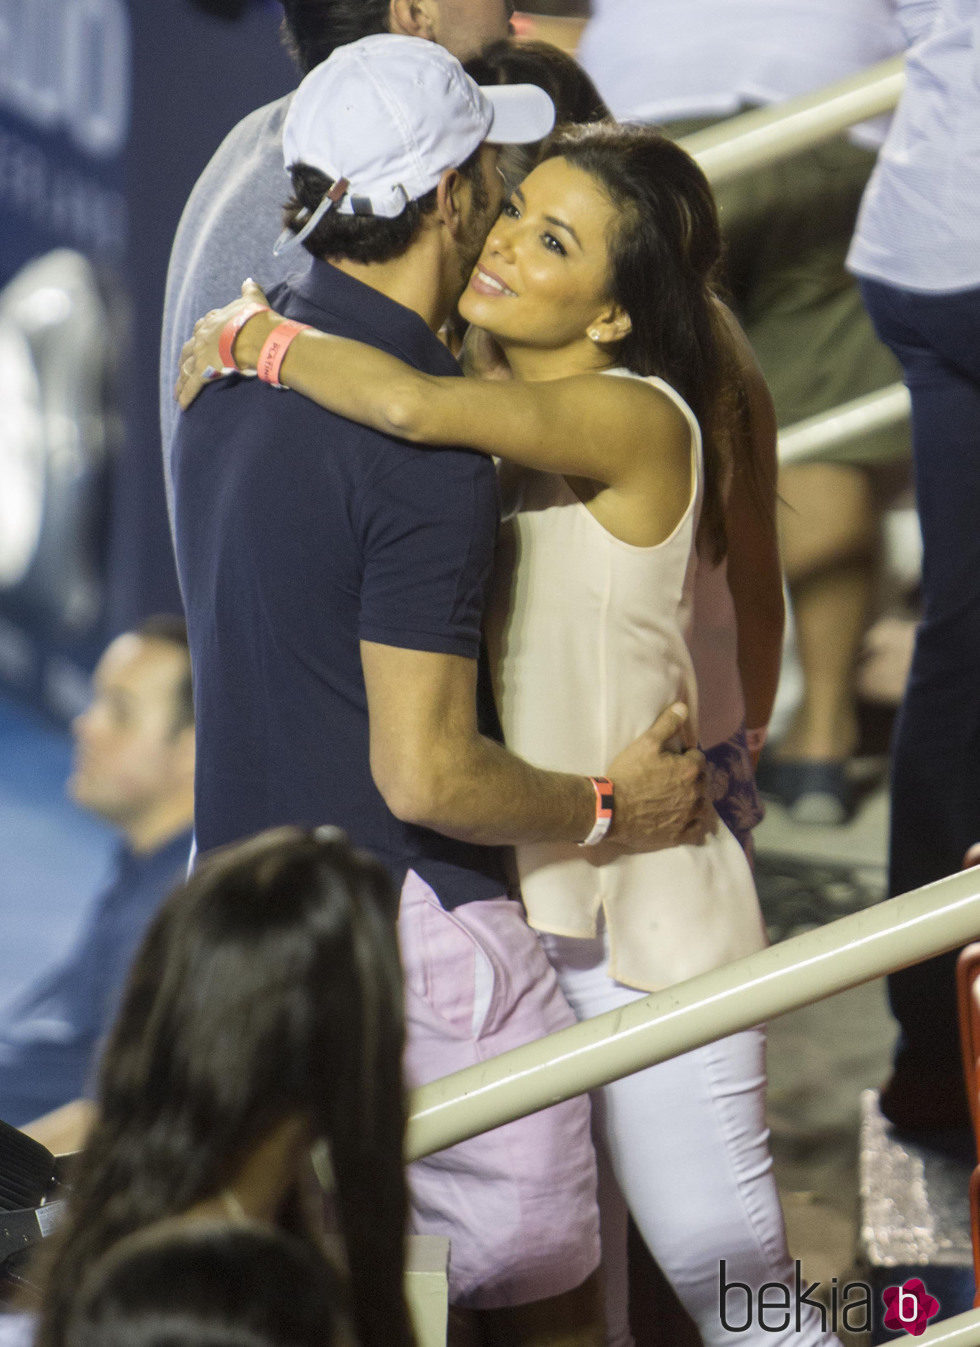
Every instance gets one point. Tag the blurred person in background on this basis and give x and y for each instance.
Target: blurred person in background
(234, 212)
(262, 1021)
(686, 64)
(134, 768)
(917, 252)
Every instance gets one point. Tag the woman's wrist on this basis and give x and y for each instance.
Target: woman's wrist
(252, 337)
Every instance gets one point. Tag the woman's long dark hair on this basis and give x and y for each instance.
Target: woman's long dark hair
(665, 256)
(267, 988)
(208, 1284)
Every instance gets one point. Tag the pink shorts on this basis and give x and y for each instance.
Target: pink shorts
(518, 1204)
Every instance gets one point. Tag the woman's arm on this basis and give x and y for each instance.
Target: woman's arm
(755, 575)
(609, 430)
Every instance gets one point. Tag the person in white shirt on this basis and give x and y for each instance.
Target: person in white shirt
(917, 252)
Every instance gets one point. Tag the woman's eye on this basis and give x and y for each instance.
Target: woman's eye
(553, 244)
(509, 209)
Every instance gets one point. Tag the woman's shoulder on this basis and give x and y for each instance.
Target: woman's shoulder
(652, 396)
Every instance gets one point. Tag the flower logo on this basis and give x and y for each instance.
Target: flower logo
(909, 1307)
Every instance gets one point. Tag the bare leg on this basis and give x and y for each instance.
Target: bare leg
(829, 534)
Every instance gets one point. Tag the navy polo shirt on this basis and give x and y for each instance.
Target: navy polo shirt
(50, 1037)
(298, 535)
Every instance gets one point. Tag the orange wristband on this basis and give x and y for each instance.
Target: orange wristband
(603, 788)
(277, 343)
(231, 329)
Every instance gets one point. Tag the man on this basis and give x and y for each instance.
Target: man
(235, 209)
(133, 767)
(334, 582)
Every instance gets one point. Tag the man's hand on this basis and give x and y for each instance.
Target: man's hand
(661, 788)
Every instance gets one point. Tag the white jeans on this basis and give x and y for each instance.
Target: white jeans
(688, 1146)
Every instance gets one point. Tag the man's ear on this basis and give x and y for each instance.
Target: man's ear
(413, 18)
(449, 202)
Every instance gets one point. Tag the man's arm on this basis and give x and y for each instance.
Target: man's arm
(435, 769)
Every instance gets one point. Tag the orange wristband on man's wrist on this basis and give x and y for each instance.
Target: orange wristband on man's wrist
(604, 796)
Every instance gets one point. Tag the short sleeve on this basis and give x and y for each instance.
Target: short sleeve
(428, 524)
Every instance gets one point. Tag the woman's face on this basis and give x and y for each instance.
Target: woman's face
(542, 278)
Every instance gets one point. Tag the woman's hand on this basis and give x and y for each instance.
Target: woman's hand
(200, 361)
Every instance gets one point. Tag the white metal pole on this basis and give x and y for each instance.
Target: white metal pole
(862, 416)
(769, 134)
(807, 968)
(963, 1330)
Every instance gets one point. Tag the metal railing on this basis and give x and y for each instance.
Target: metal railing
(850, 421)
(809, 967)
(766, 135)
(961, 1331)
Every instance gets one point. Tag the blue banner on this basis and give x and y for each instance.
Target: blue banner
(109, 109)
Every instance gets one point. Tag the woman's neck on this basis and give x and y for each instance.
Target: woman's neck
(536, 364)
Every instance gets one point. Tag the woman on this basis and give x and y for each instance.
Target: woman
(736, 631)
(262, 1018)
(596, 282)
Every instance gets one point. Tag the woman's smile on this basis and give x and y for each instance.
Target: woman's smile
(485, 282)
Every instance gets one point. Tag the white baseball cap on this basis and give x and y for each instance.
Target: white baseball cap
(385, 117)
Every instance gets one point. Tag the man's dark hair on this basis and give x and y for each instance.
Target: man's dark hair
(173, 629)
(366, 238)
(311, 29)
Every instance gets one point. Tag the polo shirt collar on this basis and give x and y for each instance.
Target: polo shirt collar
(169, 856)
(364, 313)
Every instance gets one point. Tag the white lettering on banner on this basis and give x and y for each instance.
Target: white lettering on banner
(69, 63)
(59, 199)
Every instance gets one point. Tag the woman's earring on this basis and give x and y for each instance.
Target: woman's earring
(594, 334)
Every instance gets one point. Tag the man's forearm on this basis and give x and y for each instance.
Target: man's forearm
(479, 792)
(474, 789)
(434, 769)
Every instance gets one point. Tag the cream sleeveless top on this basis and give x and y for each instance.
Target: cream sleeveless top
(587, 638)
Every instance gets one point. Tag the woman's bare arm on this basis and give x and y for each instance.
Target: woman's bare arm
(612, 431)
(754, 571)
